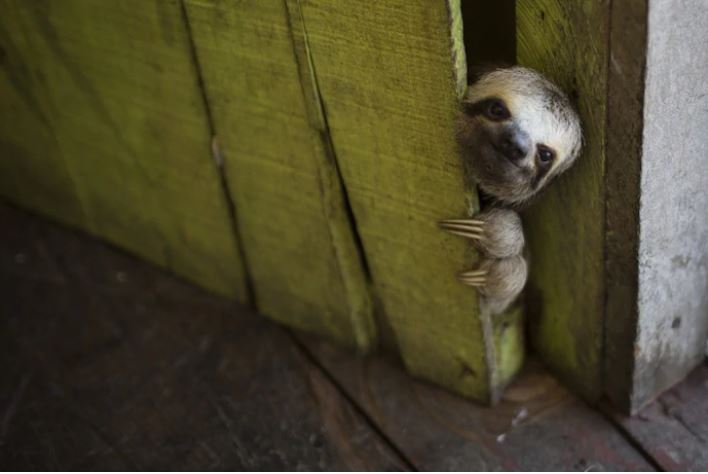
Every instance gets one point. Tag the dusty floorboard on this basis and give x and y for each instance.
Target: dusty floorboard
(674, 429)
(538, 426)
(110, 363)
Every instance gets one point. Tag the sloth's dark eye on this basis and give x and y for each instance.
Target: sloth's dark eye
(496, 110)
(545, 155)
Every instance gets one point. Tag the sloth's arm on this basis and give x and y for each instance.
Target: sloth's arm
(498, 280)
(496, 232)
(501, 275)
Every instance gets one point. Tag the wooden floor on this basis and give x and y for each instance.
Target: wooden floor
(110, 363)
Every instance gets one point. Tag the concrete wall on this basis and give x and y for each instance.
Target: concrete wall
(673, 212)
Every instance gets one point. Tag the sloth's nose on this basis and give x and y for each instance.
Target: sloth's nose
(514, 146)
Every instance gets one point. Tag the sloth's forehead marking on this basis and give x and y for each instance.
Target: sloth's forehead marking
(542, 123)
(536, 105)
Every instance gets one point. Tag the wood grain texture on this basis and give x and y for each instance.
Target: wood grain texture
(33, 170)
(537, 426)
(124, 128)
(567, 41)
(390, 74)
(301, 252)
(112, 364)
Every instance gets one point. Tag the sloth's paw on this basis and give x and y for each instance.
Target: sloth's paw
(498, 281)
(496, 232)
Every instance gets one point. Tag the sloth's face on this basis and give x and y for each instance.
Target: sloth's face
(516, 132)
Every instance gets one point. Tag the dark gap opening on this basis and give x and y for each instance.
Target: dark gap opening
(489, 34)
(490, 43)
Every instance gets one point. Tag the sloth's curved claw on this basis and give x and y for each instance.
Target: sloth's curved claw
(468, 228)
(474, 273)
(476, 278)
(475, 282)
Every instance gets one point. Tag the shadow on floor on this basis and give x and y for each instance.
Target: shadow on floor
(111, 363)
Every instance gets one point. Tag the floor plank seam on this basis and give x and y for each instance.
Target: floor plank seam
(628, 437)
(666, 407)
(357, 408)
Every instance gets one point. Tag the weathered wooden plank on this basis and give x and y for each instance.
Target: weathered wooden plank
(390, 74)
(537, 426)
(116, 91)
(565, 229)
(674, 428)
(145, 372)
(625, 129)
(635, 325)
(32, 169)
(301, 252)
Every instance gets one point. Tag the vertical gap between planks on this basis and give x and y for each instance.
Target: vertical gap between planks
(626, 71)
(365, 331)
(458, 50)
(604, 329)
(483, 37)
(489, 35)
(219, 161)
(329, 147)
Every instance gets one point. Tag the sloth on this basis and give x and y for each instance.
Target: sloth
(516, 132)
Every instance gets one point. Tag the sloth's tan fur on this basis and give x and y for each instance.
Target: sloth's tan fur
(538, 108)
(517, 131)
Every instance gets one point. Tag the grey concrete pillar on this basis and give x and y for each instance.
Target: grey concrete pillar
(670, 233)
